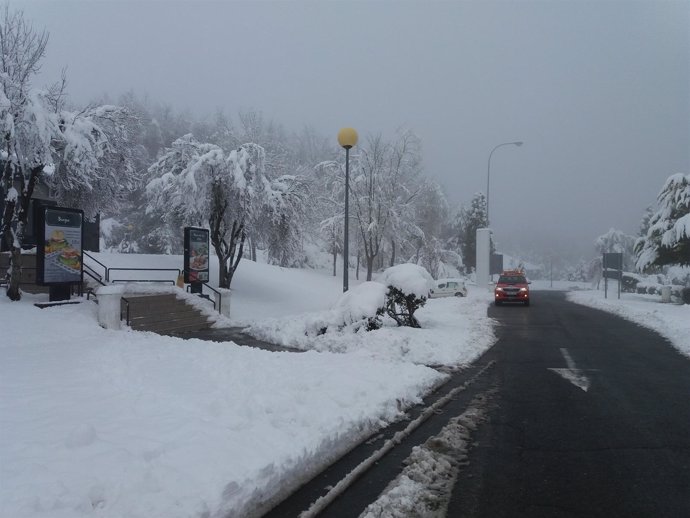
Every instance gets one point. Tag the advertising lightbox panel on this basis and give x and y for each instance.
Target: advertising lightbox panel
(59, 247)
(196, 267)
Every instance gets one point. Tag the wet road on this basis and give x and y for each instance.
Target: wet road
(592, 418)
(589, 417)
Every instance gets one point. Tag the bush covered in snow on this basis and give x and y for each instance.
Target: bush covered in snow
(629, 282)
(398, 292)
(362, 305)
(356, 309)
(408, 288)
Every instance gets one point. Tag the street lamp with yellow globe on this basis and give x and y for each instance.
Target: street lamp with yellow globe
(347, 138)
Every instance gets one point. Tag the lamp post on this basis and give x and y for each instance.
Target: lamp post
(488, 174)
(347, 138)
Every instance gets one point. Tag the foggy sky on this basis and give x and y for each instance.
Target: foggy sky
(598, 91)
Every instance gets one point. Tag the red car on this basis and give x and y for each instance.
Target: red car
(512, 286)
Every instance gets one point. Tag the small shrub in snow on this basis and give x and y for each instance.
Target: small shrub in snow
(362, 306)
(408, 289)
(685, 295)
(357, 309)
(629, 282)
(401, 307)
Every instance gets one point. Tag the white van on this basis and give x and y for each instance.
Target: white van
(448, 288)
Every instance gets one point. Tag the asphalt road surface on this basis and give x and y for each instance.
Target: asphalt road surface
(589, 417)
(606, 434)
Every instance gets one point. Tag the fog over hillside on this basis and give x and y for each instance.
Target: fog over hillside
(598, 91)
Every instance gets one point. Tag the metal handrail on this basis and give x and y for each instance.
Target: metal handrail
(99, 279)
(84, 252)
(204, 296)
(90, 290)
(143, 280)
(93, 273)
(108, 270)
(87, 254)
(220, 298)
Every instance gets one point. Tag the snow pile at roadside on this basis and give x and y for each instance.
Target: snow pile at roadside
(126, 424)
(408, 278)
(358, 303)
(669, 320)
(454, 331)
(425, 485)
(362, 300)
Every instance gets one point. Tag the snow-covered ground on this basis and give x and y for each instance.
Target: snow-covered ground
(669, 320)
(97, 422)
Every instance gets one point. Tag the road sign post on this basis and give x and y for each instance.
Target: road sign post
(613, 268)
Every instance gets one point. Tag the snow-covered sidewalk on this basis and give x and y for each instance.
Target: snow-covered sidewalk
(669, 320)
(454, 331)
(122, 424)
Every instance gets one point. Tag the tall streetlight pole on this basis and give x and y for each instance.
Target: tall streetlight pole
(488, 175)
(347, 138)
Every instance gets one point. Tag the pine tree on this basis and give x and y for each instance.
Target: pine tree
(470, 220)
(667, 240)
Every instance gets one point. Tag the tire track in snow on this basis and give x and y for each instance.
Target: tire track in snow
(324, 501)
(425, 485)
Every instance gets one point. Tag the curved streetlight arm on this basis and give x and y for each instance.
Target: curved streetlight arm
(488, 174)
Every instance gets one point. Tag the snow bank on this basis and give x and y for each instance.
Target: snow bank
(669, 320)
(360, 302)
(454, 331)
(408, 278)
(127, 424)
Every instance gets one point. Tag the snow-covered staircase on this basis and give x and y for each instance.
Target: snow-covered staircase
(163, 314)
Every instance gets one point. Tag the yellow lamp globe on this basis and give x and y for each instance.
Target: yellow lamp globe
(347, 138)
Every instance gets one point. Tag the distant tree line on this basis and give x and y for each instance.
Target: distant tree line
(150, 170)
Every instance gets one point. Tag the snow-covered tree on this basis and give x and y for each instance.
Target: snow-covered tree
(431, 209)
(667, 240)
(580, 272)
(615, 241)
(75, 153)
(283, 220)
(328, 206)
(383, 187)
(331, 231)
(95, 159)
(433, 248)
(200, 184)
(467, 221)
(430, 256)
(645, 223)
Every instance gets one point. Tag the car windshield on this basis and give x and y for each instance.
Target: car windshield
(512, 279)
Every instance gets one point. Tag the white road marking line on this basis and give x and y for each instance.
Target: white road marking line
(572, 374)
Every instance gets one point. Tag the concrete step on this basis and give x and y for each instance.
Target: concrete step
(155, 309)
(173, 326)
(163, 314)
(149, 300)
(182, 313)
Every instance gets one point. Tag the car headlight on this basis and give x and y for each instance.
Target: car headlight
(523, 289)
(499, 289)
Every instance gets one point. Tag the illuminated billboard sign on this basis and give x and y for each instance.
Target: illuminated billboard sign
(196, 255)
(59, 246)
